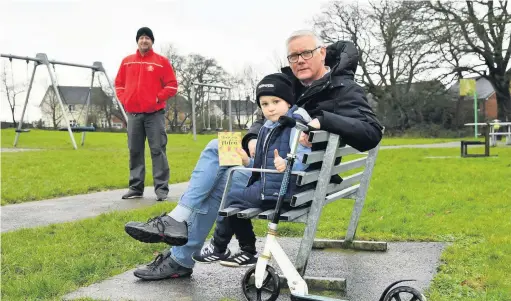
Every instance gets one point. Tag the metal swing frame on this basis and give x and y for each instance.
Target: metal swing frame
(197, 84)
(42, 59)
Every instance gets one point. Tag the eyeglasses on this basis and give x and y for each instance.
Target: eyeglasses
(306, 55)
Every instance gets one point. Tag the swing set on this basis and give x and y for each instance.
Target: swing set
(210, 88)
(42, 59)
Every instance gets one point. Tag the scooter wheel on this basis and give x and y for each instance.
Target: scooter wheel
(404, 293)
(268, 292)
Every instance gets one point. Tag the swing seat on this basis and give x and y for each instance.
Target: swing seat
(22, 131)
(79, 129)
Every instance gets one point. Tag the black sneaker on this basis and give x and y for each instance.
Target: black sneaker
(162, 228)
(240, 259)
(209, 255)
(131, 194)
(161, 198)
(162, 267)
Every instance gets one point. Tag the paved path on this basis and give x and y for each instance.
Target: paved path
(17, 150)
(366, 273)
(71, 208)
(432, 145)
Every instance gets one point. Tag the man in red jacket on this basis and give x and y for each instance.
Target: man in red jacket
(143, 84)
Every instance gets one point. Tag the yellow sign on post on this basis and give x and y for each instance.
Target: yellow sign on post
(467, 87)
(228, 142)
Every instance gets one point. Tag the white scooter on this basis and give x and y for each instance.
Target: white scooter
(262, 283)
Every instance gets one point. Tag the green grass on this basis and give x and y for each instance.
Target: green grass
(411, 198)
(102, 163)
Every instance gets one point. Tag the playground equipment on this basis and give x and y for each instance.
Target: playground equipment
(42, 59)
(221, 89)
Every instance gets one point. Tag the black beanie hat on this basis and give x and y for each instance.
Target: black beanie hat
(145, 31)
(277, 84)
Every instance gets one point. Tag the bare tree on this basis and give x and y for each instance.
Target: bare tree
(173, 104)
(50, 107)
(251, 78)
(11, 90)
(394, 50)
(189, 69)
(485, 27)
(109, 108)
(278, 61)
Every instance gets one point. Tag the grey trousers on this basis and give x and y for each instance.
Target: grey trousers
(152, 126)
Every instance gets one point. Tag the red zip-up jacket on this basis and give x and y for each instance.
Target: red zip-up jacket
(144, 83)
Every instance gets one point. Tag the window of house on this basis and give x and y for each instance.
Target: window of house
(71, 108)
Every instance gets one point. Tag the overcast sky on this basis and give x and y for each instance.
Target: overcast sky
(236, 33)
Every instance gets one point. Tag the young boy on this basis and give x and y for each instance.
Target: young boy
(275, 97)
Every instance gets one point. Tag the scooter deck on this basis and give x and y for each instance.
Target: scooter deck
(313, 298)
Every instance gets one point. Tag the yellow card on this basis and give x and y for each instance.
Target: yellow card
(228, 142)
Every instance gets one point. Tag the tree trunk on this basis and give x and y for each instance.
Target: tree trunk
(503, 101)
(13, 119)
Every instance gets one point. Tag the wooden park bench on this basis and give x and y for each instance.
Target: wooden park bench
(325, 160)
(486, 143)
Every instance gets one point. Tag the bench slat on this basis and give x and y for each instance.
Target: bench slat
(343, 194)
(249, 213)
(229, 211)
(307, 196)
(312, 176)
(268, 214)
(318, 156)
(291, 215)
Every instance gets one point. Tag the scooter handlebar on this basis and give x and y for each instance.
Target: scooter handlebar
(291, 122)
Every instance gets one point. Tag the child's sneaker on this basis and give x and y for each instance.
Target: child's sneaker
(240, 259)
(209, 254)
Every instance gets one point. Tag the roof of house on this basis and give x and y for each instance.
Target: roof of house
(77, 95)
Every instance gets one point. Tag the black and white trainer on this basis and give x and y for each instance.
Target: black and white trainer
(208, 254)
(240, 259)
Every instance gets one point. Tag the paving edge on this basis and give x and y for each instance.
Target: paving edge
(356, 245)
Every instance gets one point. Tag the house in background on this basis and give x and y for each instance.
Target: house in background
(74, 99)
(486, 98)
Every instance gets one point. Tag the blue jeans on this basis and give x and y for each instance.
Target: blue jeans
(203, 197)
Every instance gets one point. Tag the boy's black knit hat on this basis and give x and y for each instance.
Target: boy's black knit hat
(277, 84)
(145, 31)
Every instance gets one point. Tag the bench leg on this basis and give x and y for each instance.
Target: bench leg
(317, 205)
(359, 200)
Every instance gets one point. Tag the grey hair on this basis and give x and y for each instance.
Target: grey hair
(305, 33)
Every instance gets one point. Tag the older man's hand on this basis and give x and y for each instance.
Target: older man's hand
(304, 138)
(315, 123)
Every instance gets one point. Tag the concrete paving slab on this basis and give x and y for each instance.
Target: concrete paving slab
(367, 275)
(72, 208)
